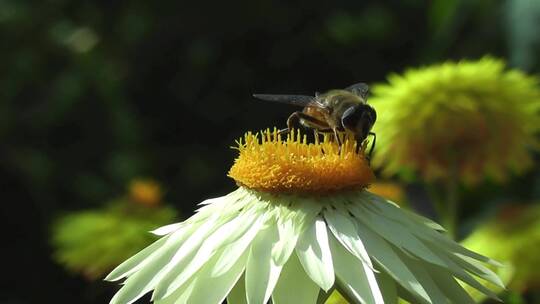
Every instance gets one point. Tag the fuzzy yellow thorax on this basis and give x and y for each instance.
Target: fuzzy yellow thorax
(272, 163)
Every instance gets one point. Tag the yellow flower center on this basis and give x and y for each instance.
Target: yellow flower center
(270, 163)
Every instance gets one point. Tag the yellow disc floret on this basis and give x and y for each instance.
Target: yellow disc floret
(268, 162)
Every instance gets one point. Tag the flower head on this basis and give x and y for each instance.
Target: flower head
(289, 241)
(93, 242)
(145, 191)
(272, 164)
(473, 118)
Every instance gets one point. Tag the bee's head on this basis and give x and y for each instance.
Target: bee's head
(359, 119)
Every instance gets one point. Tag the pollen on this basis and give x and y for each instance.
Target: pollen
(271, 162)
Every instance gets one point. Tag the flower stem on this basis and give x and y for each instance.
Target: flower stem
(445, 199)
(449, 217)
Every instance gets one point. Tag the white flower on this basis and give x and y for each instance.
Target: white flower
(249, 246)
(308, 228)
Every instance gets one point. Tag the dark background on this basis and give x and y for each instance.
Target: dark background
(95, 93)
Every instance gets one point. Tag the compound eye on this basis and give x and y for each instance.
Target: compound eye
(373, 114)
(350, 118)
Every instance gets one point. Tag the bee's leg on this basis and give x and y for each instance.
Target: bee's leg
(372, 145)
(311, 121)
(283, 131)
(318, 132)
(293, 122)
(336, 135)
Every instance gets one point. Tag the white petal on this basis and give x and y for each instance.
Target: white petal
(406, 217)
(186, 262)
(238, 293)
(424, 221)
(461, 274)
(213, 289)
(449, 286)
(314, 254)
(419, 269)
(262, 272)
(211, 200)
(383, 253)
(288, 236)
(427, 251)
(226, 207)
(166, 229)
(206, 288)
(421, 227)
(448, 245)
(388, 288)
(345, 231)
(152, 269)
(395, 233)
(409, 298)
(209, 208)
(294, 286)
(292, 220)
(134, 263)
(478, 269)
(180, 295)
(233, 252)
(356, 278)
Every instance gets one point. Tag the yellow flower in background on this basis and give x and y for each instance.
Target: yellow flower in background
(300, 225)
(389, 190)
(512, 237)
(145, 191)
(471, 118)
(93, 242)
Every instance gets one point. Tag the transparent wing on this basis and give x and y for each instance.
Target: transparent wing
(297, 100)
(361, 89)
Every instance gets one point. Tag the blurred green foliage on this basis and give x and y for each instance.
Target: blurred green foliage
(93, 242)
(95, 93)
(513, 237)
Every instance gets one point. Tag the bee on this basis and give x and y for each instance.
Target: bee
(335, 111)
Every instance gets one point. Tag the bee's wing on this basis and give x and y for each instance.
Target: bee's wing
(297, 100)
(361, 89)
